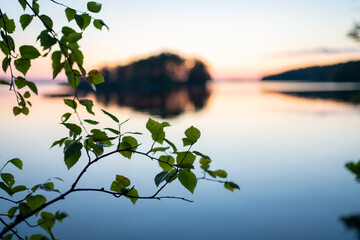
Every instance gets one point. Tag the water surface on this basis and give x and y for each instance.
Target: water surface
(287, 153)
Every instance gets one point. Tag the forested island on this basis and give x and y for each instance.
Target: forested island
(165, 85)
(342, 72)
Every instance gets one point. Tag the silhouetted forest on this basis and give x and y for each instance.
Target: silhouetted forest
(165, 85)
(342, 72)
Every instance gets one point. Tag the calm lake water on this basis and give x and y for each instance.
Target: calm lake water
(286, 151)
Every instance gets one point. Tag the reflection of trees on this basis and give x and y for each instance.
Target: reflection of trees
(164, 102)
(342, 96)
(352, 222)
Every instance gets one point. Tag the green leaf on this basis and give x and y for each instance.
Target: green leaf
(74, 37)
(164, 175)
(116, 132)
(71, 150)
(27, 94)
(22, 65)
(46, 41)
(49, 187)
(20, 82)
(157, 130)
(71, 103)
(5, 63)
(73, 128)
(24, 208)
(95, 77)
(77, 56)
(12, 212)
(94, 7)
(56, 63)
(8, 178)
(5, 188)
(36, 6)
(29, 52)
(172, 145)
(38, 237)
(47, 221)
(133, 195)
(220, 173)
(59, 216)
(16, 111)
(8, 236)
(10, 23)
(205, 163)
(73, 76)
(98, 23)
(25, 20)
(36, 201)
(110, 115)
(83, 20)
(193, 134)
(231, 186)
(122, 147)
(185, 158)
(188, 180)
(47, 20)
(59, 142)
(25, 110)
(4, 48)
(88, 104)
(3, 82)
(70, 14)
(92, 122)
(166, 162)
(23, 4)
(65, 117)
(17, 163)
(17, 189)
(120, 184)
(72, 160)
(32, 87)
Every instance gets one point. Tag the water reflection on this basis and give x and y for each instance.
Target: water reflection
(165, 102)
(342, 92)
(352, 222)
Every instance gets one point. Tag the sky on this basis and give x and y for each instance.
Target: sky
(238, 39)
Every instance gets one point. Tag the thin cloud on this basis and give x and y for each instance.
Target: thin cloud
(320, 51)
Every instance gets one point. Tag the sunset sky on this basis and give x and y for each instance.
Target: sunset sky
(238, 39)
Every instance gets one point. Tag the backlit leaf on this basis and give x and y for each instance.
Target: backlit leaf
(16, 111)
(71, 103)
(188, 180)
(70, 14)
(133, 195)
(92, 122)
(23, 4)
(110, 115)
(185, 158)
(20, 82)
(22, 65)
(32, 87)
(47, 20)
(8, 178)
(94, 7)
(25, 20)
(47, 221)
(166, 162)
(17, 163)
(36, 201)
(231, 186)
(95, 77)
(29, 52)
(5, 64)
